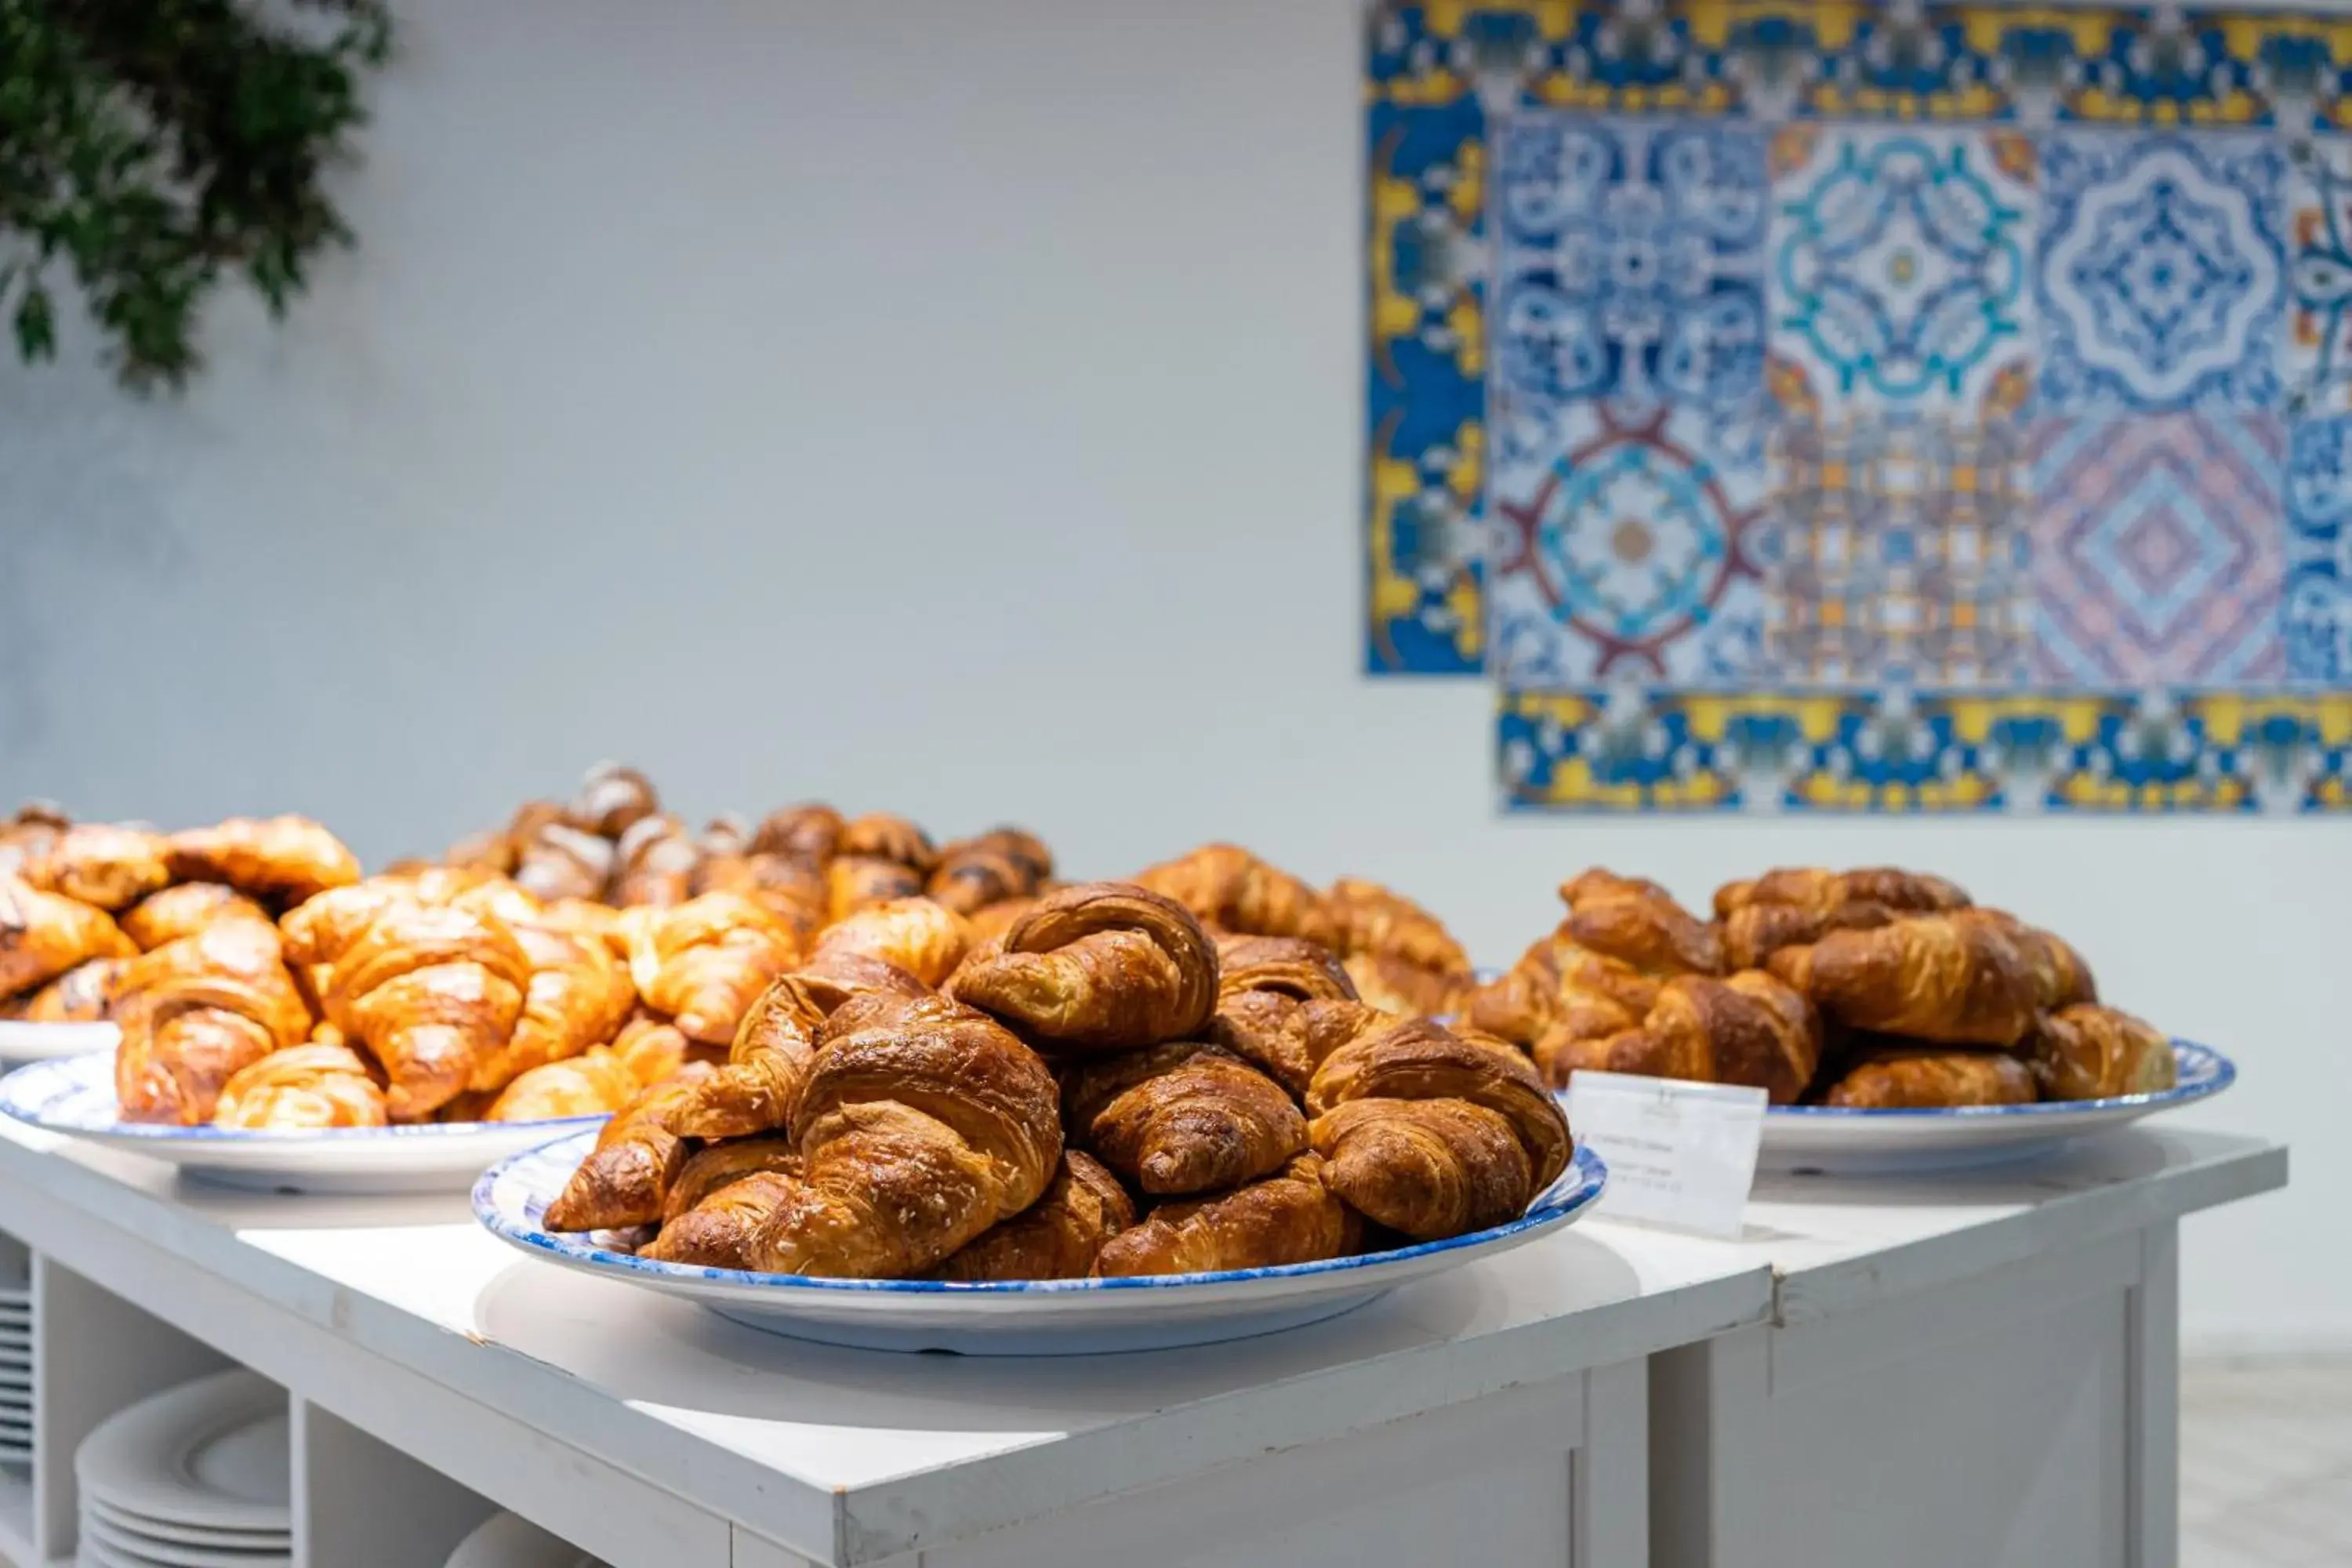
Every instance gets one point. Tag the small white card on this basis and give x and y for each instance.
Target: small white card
(1680, 1154)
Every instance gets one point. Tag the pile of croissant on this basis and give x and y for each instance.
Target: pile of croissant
(1175, 1075)
(1874, 988)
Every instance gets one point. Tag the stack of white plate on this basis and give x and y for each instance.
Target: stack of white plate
(15, 1370)
(509, 1540)
(194, 1478)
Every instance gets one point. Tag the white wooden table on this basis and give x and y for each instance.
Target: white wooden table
(1972, 1370)
(1494, 1415)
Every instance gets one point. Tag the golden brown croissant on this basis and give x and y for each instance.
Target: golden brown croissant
(1181, 1118)
(1290, 1217)
(815, 990)
(183, 910)
(303, 1087)
(1632, 923)
(1403, 986)
(1753, 932)
(717, 1165)
(610, 799)
(926, 939)
(83, 994)
(854, 882)
(1559, 990)
(724, 1229)
(578, 996)
(704, 962)
(881, 835)
(654, 863)
(1811, 887)
(1227, 887)
(102, 864)
(195, 1012)
(280, 859)
(26, 836)
(915, 1136)
(560, 861)
(1099, 965)
(1262, 982)
(1000, 864)
(1374, 920)
(2062, 978)
(1923, 1078)
(1420, 1060)
(1939, 978)
(598, 1082)
(808, 833)
(766, 1070)
(42, 935)
(1427, 1168)
(433, 991)
(791, 888)
(1056, 1238)
(625, 1178)
(1748, 1029)
(2089, 1052)
(652, 1050)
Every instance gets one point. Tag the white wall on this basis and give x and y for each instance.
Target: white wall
(949, 407)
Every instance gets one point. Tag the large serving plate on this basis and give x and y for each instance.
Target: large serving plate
(74, 1096)
(1048, 1316)
(21, 1042)
(1839, 1141)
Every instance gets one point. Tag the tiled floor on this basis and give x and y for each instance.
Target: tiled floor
(2266, 1465)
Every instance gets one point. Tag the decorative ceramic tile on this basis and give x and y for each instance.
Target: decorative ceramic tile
(1899, 554)
(2158, 555)
(1629, 261)
(1899, 263)
(2319, 339)
(1626, 548)
(2160, 274)
(2318, 620)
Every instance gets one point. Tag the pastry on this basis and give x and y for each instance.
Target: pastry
(624, 1181)
(2088, 1052)
(315, 1085)
(598, 1082)
(1262, 982)
(1922, 1078)
(721, 1231)
(1098, 965)
(704, 962)
(578, 996)
(558, 861)
(1946, 978)
(811, 834)
(881, 835)
(83, 994)
(1810, 887)
(42, 935)
(433, 991)
(1056, 1238)
(717, 1165)
(654, 863)
(195, 1012)
(279, 859)
(1181, 1118)
(1748, 1029)
(1289, 1217)
(25, 837)
(611, 798)
(766, 1067)
(1231, 889)
(183, 910)
(924, 938)
(854, 882)
(112, 867)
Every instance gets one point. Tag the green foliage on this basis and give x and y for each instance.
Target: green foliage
(150, 147)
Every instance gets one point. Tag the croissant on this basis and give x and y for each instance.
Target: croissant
(927, 940)
(1374, 920)
(717, 1165)
(815, 991)
(1289, 1217)
(102, 864)
(704, 962)
(1753, 932)
(1922, 1078)
(1432, 1134)
(598, 1082)
(1261, 980)
(2062, 978)
(1181, 1118)
(1929, 977)
(790, 888)
(655, 861)
(1403, 986)
(578, 996)
(1559, 990)
(722, 1230)
(854, 882)
(183, 910)
(625, 1178)
(1810, 887)
(83, 994)
(1635, 923)
(1098, 965)
(881, 835)
(281, 859)
(303, 1087)
(1227, 887)
(766, 1068)
(195, 1012)
(492, 849)
(1056, 1238)
(433, 991)
(611, 798)
(807, 832)
(1748, 1029)
(971, 877)
(26, 836)
(915, 1136)
(2089, 1052)
(42, 935)
(652, 1050)
(991, 922)
(559, 861)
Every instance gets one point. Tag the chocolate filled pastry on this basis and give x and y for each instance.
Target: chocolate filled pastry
(1181, 1118)
(1928, 1078)
(1950, 979)
(807, 832)
(654, 862)
(25, 837)
(98, 863)
(1231, 889)
(558, 861)
(280, 859)
(2088, 1052)
(854, 882)
(974, 873)
(1262, 983)
(1289, 1217)
(1057, 1237)
(610, 799)
(1099, 967)
(879, 835)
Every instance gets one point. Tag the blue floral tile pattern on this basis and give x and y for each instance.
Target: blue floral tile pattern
(2319, 341)
(2160, 275)
(1629, 260)
(1899, 263)
(2317, 621)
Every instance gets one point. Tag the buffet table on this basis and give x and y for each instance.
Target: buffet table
(1985, 1351)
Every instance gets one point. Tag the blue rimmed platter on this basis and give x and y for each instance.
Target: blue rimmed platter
(1838, 1139)
(74, 1096)
(1047, 1316)
(21, 1042)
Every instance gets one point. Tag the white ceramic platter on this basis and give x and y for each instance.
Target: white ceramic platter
(107, 1545)
(1836, 1141)
(144, 1531)
(74, 1096)
(21, 1042)
(509, 1541)
(1050, 1316)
